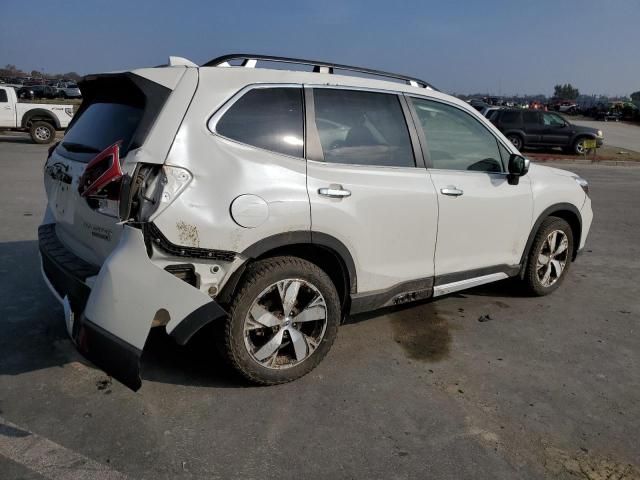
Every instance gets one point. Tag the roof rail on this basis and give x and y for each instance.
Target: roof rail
(250, 61)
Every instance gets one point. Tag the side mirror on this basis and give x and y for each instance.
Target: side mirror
(518, 167)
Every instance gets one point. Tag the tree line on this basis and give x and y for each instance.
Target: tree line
(11, 71)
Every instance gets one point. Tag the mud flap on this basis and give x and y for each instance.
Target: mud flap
(127, 294)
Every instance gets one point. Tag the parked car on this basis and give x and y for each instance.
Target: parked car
(40, 120)
(273, 203)
(533, 128)
(37, 91)
(70, 90)
(490, 112)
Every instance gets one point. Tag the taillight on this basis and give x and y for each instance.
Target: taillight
(102, 175)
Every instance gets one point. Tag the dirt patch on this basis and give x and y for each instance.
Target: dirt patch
(188, 234)
(421, 333)
(587, 466)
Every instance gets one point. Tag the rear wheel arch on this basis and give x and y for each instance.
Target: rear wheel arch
(39, 115)
(567, 212)
(323, 250)
(515, 133)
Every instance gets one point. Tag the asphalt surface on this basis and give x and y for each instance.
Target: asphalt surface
(618, 134)
(546, 388)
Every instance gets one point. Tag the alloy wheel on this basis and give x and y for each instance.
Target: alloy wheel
(285, 324)
(42, 133)
(552, 258)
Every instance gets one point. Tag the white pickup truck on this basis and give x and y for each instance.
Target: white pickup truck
(41, 120)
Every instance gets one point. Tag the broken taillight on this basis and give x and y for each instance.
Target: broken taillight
(102, 175)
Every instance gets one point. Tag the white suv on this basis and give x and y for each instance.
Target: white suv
(274, 202)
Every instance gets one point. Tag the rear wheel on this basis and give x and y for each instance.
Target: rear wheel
(42, 132)
(516, 140)
(550, 257)
(282, 321)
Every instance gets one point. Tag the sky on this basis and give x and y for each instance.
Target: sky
(495, 46)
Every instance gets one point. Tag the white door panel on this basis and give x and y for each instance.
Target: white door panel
(486, 225)
(7, 113)
(388, 223)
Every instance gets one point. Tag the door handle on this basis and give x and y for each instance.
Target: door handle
(334, 191)
(451, 191)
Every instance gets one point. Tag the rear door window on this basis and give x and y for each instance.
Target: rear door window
(510, 118)
(269, 118)
(3, 96)
(531, 117)
(362, 128)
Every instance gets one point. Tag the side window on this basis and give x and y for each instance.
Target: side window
(531, 117)
(362, 128)
(269, 118)
(3, 96)
(552, 120)
(456, 140)
(510, 118)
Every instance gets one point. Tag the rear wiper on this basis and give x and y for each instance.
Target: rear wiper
(79, 147)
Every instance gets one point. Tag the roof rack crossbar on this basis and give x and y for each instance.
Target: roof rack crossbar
(250, 60)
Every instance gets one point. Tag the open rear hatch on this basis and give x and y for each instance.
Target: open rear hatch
(89, 170)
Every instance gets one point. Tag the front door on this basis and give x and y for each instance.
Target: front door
(366, 189)
(483, 220)
(7, 113)
(556, 131)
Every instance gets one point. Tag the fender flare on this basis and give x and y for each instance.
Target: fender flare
(556, 207)
(311, 238)
(39, 112)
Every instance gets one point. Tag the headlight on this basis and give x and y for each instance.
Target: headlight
(600, 134)
(583, 184)
(69, 111)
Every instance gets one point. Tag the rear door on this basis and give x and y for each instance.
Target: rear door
(483, 221)
(365, 187)
(118, 109)
(533, 127)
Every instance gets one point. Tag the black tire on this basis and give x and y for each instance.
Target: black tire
(42, 132)
(578, 146)
(516, 140)
(532, 282)
(260, 276)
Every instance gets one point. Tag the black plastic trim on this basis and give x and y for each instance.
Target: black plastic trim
(112, 354)
(158, 239)
(197, 319)
(405, 292)
(306, 237)
(65, 271)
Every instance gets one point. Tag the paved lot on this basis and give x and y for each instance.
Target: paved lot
(549, 388)
(618, 134)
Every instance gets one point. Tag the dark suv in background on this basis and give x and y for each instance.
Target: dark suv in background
(533, 128)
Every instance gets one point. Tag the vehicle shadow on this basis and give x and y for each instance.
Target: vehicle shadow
(15, 138)
(33, 335)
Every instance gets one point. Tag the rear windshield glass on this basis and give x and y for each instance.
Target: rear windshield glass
(100, 126)
(121, 107)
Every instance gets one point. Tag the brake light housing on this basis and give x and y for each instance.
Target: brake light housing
(102, 175)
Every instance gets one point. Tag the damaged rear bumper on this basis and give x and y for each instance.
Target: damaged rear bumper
(110, 310)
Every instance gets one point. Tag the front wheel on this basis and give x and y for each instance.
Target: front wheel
(579, 147)
(42, 132)
(282, 321)
(550, 257)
